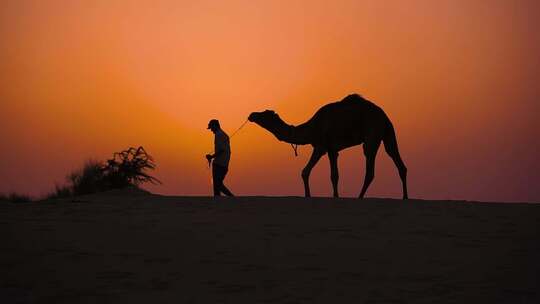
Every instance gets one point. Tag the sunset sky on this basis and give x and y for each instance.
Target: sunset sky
(460, 79)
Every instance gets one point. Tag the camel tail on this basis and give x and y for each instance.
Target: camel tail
(391, 147)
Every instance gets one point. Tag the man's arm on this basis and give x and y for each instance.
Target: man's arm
(211, 156)
(220, 147)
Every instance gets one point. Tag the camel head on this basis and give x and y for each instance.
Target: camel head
(270, 121)
(265, 119)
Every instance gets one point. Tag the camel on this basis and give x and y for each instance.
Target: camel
(337, 126)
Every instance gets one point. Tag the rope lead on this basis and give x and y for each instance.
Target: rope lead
(295, 148)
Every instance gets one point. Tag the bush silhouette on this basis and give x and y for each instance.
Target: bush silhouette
(128, 168)
(89, 179)
(124, 169)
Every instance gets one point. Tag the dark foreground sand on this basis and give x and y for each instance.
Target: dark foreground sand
(139, 248)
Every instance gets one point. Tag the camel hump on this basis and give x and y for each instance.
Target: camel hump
(357, 99)
(354, 97)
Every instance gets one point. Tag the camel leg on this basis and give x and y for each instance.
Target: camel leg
(402, 174)
(370, 151)
(334, 174)
(316, 155)
(394, 154)
(391, 147)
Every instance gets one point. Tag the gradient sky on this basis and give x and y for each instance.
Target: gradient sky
(458, 78)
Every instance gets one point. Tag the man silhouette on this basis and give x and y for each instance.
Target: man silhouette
(221, 157)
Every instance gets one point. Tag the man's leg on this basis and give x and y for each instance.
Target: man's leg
(221, 173)
(223, 188)
(217, 180)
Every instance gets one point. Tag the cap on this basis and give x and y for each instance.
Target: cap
(213, 122)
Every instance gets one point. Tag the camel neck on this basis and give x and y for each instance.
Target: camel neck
(300, 135)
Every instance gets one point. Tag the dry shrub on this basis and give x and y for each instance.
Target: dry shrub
(124, 169)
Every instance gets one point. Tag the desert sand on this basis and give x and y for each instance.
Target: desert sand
(135, 247)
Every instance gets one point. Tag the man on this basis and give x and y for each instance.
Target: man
(221, 157)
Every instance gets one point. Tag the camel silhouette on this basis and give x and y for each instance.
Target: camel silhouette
(334, 127)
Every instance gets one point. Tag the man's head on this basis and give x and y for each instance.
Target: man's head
(213, 125)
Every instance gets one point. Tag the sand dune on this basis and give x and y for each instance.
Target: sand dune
(134, 247)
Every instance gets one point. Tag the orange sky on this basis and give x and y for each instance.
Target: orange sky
(459, 79)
